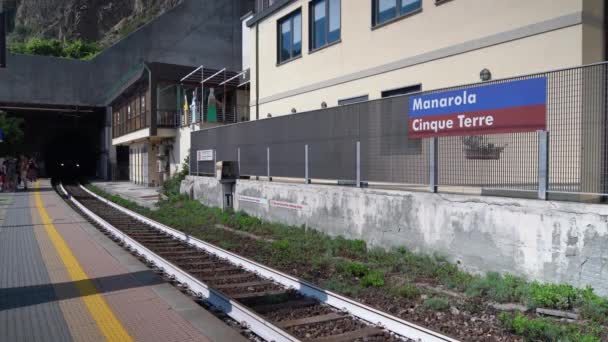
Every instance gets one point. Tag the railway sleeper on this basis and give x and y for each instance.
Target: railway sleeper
(262, 295)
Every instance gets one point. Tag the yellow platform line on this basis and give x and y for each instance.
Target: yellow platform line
(107, 322)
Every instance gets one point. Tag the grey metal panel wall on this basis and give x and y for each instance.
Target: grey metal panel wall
(576, 122)
(331, 134)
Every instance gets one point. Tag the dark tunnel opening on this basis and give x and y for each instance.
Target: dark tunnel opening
(65, 144)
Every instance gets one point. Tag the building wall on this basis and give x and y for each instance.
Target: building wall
(440, 46)
(541, 240)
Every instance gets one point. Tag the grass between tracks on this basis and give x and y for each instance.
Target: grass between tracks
(350, 267)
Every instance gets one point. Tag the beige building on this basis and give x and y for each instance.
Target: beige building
(309, 54)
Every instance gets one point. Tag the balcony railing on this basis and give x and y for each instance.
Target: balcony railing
(168, 118)
(128, 125)
(221, 118)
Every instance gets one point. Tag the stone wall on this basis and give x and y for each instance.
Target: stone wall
(544, 240)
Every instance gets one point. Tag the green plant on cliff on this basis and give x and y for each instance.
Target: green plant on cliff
(76, 49)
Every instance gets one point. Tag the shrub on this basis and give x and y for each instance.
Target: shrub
(498, 288)
(408, 291)
(594, 307)
(436, 304)
(373, 279)
(555, 296)
(77, 49)
(543, 329)
(349, 248)
(171, 187)
(355, 269)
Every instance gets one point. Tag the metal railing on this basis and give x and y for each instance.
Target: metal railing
(168, 118)
(368, 143)
(221, 118)
(127, 125)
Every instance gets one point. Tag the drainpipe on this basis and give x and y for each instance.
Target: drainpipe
(153, 100)
(5, 7)
(2, 38)
(257, 72)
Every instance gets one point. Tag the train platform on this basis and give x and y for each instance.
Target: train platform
(63, 280)
(142, 195)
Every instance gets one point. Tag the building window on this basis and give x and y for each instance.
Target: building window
(387, 10)
(402, 91)
(290, 37)
(353, 100)
(142, 104)
(325, 25)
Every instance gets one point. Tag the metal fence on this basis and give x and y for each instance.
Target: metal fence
(368, 142)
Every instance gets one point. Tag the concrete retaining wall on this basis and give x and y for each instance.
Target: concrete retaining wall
(548, 241)
(206, 189)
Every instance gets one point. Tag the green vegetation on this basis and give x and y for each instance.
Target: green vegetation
(543, 329)
(355, 269)
(138, 22)
(12, 134)
(498, 288)
(408, 291)
(555, 296)
(373, 278)
(352, 268)
(436, 304)
(53, 47)
(171, 187)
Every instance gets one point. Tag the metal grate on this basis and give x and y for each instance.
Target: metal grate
(576, 122)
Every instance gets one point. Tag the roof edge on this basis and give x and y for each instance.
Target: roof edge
(258, 17)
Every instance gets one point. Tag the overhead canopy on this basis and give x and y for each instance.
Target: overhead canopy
(211, 77)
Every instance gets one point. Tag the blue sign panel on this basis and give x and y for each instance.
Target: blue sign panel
(515, 106)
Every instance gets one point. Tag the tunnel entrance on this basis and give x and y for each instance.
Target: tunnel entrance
(63, 141)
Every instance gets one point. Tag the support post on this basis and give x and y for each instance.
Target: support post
(238, 158)
(197, 173)
(268, 163)
(543, 164)
(2, 38)
(433, 164)
(306, 175)
(358, 164)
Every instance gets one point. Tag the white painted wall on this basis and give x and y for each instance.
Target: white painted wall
(437, 27)
(246, 39)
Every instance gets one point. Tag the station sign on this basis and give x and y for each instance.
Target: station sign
(514, 106)
(204, 155)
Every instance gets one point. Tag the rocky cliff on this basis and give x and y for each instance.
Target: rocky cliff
(103, 21)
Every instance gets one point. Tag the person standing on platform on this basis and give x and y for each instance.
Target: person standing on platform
(32, 170)
(11, 174)
(23, 165)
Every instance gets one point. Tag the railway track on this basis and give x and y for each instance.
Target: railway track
(273, 305)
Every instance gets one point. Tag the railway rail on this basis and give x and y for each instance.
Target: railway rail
(273, 305)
